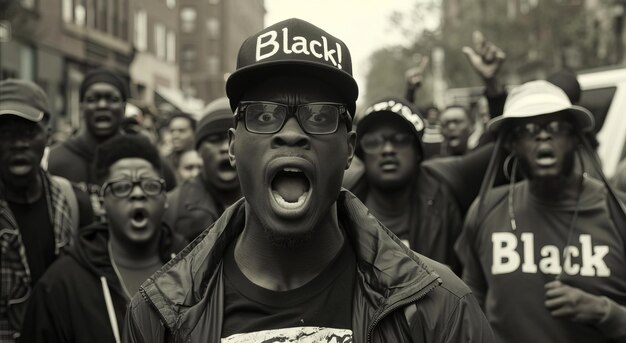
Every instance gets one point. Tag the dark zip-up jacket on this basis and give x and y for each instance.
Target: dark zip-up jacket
(69, 303)
(399, 296)
(435, 220)
(192, 208)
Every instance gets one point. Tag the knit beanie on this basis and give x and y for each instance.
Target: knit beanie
(217, 118)
(106, 76)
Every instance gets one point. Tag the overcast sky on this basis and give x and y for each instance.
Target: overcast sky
(362, 24)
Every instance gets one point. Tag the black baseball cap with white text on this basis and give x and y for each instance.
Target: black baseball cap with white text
(293, 46)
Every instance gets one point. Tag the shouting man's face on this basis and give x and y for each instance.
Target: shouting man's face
(22, 144)
(545, 146)
(290, 159)
(103, 109)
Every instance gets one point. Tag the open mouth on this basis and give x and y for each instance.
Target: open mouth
(103, 120)
(290, 188)
(389, 165)
(454, 141)
(545, 157)
(139, 218)
(225, 171)
(20, 166)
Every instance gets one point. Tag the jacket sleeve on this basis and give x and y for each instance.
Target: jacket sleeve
(41, 322)
(468, 323)
(142, 324)
(473, 273)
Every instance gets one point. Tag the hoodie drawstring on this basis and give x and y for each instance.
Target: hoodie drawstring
(511, 208)
(110, 309)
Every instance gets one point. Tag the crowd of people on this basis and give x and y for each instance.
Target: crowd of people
(285, 214)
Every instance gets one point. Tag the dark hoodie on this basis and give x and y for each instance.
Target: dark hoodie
(68, 304)
(73, 159)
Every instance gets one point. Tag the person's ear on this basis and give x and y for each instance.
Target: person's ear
(351, 140)
(231, 147)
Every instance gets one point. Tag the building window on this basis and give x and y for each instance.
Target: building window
(213, 28)
(80, 14)
(213, 65)
(91, 14)
(27, 66)
(170, 3)
(115, 12)
(171, 46)
(188, 17)
(68, 11)
(122, 20)
(141, 30)
(103, 16)
(159, 40)
(188, 58)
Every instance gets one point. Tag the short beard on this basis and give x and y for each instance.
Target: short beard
(287, 240)
(389, 186)
(20, 183)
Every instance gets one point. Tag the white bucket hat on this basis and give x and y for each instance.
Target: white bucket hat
(536, 98)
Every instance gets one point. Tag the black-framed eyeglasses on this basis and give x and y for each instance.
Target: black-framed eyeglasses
(374, 143)
(316, 118)
(533, 129)
(123, 188)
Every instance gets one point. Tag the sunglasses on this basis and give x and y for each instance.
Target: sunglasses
(317, 118)
(533, 129)
(374, 143)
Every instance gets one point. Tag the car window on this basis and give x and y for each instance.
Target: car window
(598, 102)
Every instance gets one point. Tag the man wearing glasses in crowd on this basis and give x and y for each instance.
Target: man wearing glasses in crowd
(545, 256)
(83, 296)
(406, 198)
(298, 258)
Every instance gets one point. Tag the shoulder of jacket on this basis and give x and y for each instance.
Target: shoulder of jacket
(449, 281)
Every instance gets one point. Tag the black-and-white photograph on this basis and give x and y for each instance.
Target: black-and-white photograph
(313, 171)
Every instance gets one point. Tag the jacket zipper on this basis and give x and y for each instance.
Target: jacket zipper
(147, 299)
(401, 303)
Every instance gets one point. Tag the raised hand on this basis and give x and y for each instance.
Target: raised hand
(415, 75)
(485, 57)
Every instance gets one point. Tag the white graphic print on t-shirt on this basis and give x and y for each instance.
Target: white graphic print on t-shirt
(306, 334)
(586, 260)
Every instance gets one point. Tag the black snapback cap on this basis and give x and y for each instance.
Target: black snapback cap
(293, 46)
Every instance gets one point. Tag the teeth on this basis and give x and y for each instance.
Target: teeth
(292, 170)
(289, 205)
(139, 223)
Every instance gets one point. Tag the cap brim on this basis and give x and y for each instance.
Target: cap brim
(21, 110)
(584, 119)
(241, 79)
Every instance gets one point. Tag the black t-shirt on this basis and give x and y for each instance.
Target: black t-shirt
(397, 222)
(33, 221)
(321, 309)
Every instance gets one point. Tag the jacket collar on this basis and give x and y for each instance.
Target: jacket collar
(389, 271)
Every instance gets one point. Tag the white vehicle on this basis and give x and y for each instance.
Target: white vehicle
(604, 94)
